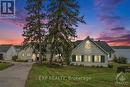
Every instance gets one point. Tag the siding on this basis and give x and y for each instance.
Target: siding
(94, 50)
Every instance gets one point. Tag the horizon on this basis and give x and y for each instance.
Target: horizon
(105, 20)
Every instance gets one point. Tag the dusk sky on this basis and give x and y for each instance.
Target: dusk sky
(107, 20)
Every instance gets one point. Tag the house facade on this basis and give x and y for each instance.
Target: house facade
(7, 52)
(28, 54)
(91, 53)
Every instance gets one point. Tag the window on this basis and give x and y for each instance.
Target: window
(23, 54)
(28, 54)
(73, 58)
(87, 58)
(97, 58)
(102, 58)
(78, 58)
(109, 55)
(88, 45)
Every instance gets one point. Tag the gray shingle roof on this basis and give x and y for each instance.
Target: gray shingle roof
(105, 46)
(101, 44)
(4, 48)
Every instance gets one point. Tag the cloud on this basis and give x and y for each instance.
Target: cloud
(118, 29)
(115, 32)
(121, 39)
(106, 11)
(15, 41)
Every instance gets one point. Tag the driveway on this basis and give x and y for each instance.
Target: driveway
(15, 76)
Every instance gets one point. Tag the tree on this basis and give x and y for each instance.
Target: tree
(34, 32)
(63, 17)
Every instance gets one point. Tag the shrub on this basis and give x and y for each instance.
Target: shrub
(21, 60)
(121, 60)
(110, 66)
(71, 64)
(44, 59)
(14, 58)
(81, 65)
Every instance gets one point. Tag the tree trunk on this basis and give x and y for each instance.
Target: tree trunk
(51, 57)
(40, 55)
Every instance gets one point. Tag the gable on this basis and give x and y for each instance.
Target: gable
(87, 47)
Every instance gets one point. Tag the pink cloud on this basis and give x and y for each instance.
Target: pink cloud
(15, 41)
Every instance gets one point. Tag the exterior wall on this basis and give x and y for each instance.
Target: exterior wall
(94, 50)
(122, 53)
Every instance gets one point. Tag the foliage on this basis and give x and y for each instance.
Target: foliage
(21, 60)
(5, 65)
(63, 17)
(110, 66)
(34, 32)
(121, 60)
(14, 58)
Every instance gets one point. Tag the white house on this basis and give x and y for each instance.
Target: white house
(122, 51)
(28, 54)
(7, 51)
(91, 53)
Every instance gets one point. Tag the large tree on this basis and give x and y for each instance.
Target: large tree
(63, 17)
(34, 32)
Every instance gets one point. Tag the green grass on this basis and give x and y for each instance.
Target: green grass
(100, 77)
(4, 66)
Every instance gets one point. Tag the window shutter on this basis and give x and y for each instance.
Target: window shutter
(82, 58)
(92, 58)
(102, 58)
(73, 58)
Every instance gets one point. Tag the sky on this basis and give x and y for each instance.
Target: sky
(107, 20)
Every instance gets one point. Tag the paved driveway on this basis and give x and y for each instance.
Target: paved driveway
(15, 76)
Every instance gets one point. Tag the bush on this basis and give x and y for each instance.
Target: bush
(110, 66)
(121, 60)
(120, 69)
(21, 60)
(81, 65)
(14, 58)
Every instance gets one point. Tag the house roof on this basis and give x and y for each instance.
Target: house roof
(105, 46)
(4, 48)
(121, 47)
(76, 43)
(17, 46)
(100, 44)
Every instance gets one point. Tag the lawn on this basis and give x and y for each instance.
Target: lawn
(4, 66)
(98, 77)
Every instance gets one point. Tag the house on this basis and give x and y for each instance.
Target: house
(28, 54)
(7, 52)
(91, 53)
(122, 51)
